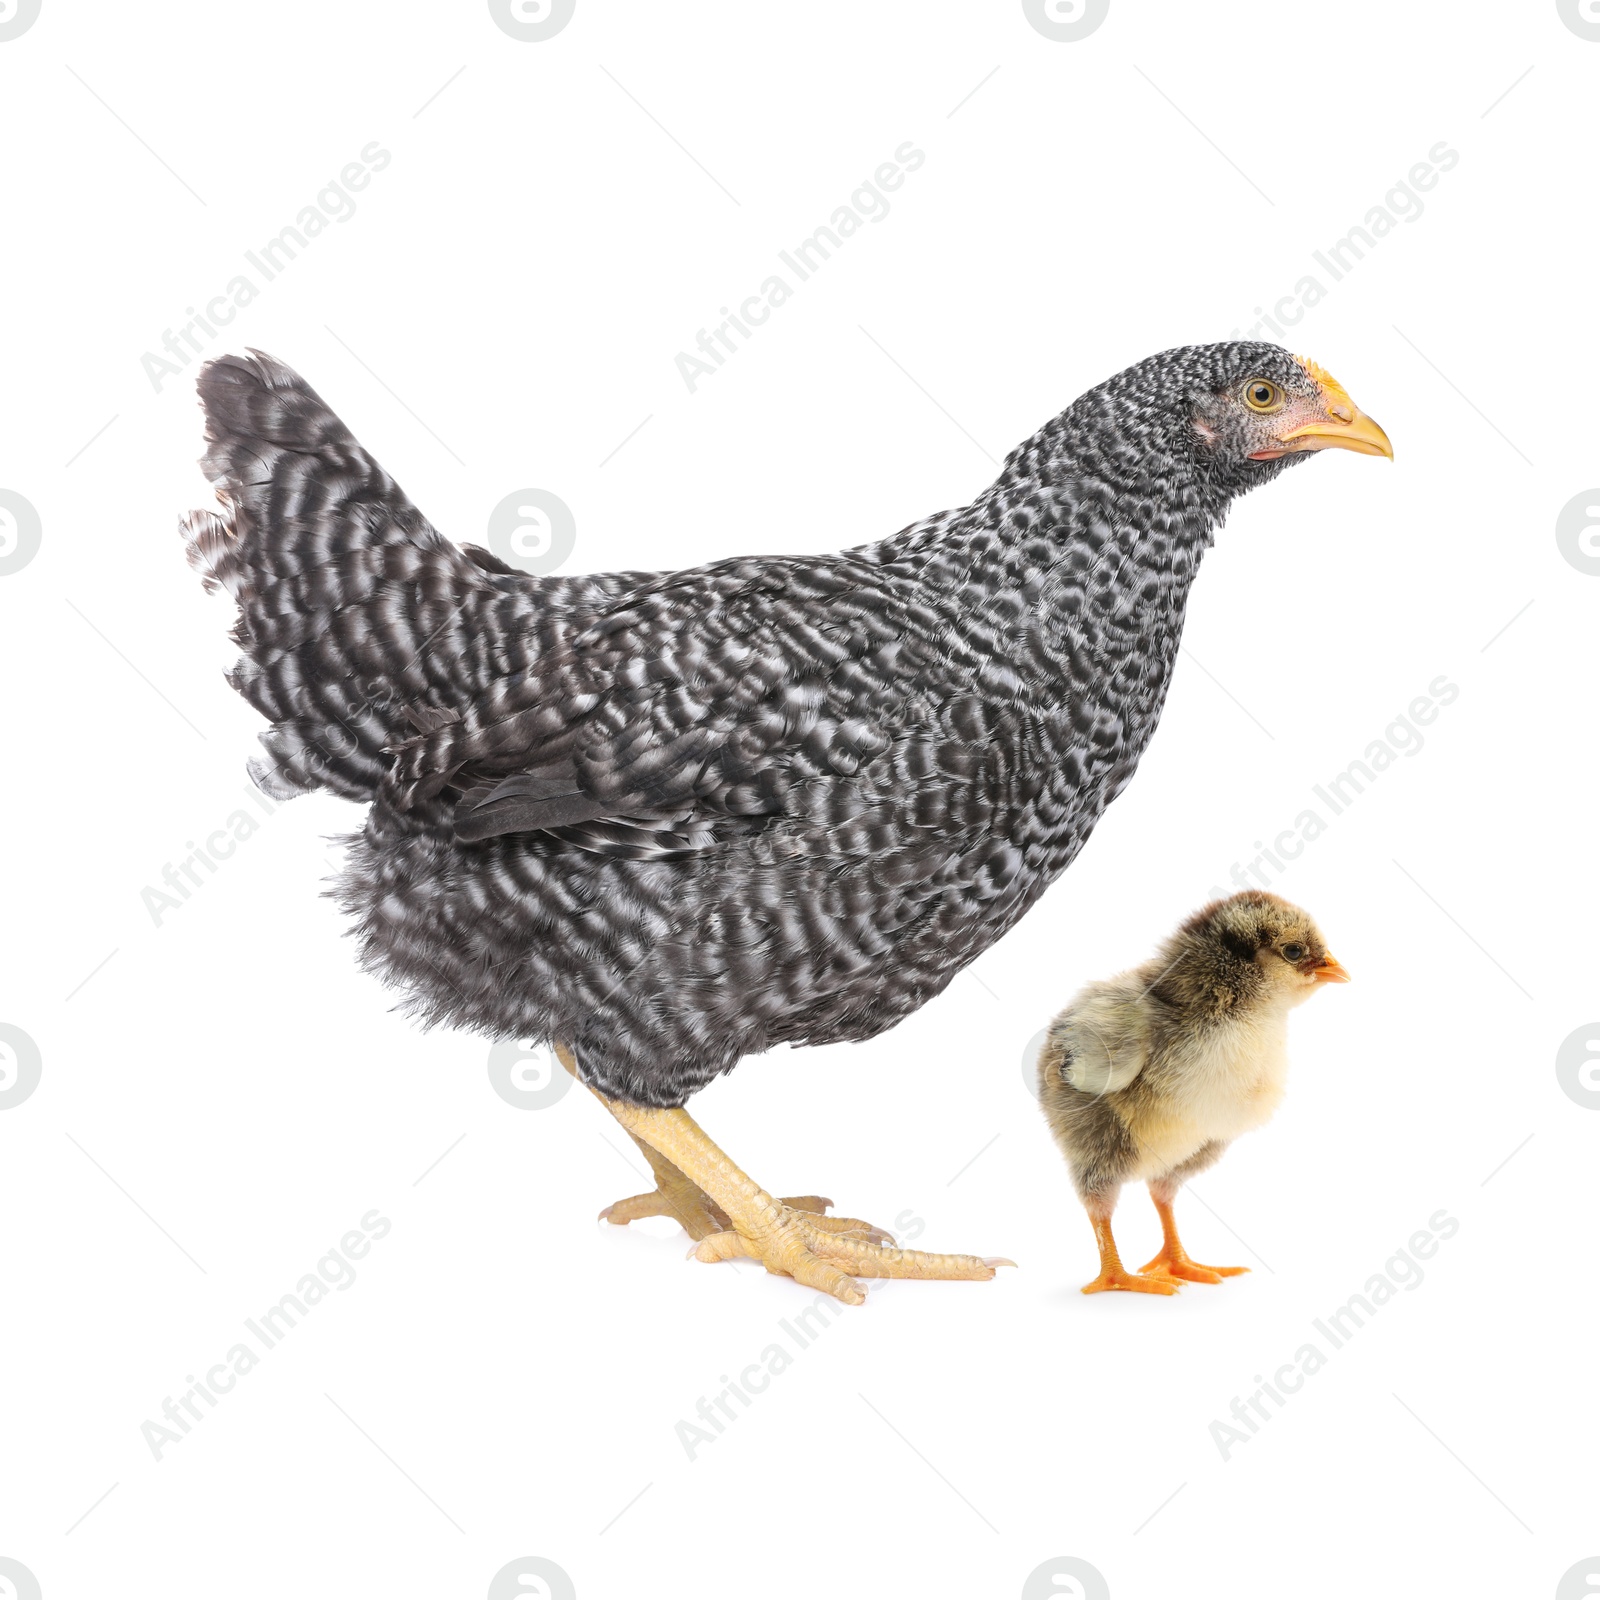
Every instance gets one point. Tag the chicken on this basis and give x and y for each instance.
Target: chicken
(1154, 1073)
(667, 820)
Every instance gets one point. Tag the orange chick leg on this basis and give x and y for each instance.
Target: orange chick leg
(1173, 1260)
(1113, 1275)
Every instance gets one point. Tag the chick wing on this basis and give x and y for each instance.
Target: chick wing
(1102, 1041)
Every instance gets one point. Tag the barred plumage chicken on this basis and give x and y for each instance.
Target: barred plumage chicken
(665, 820)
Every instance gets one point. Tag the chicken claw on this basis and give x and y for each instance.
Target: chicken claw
(812, 1251)
(700, 1216)
(729, 1214)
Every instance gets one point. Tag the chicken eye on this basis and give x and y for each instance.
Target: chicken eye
(1294, 952)
(1260, 395)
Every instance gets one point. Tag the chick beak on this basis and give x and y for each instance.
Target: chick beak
(1329, 971)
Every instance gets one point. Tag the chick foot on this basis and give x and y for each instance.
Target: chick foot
(1113, 1275)
(1138, 1282)
(1173, 1261)
(829, 1253)
(1170, 1264)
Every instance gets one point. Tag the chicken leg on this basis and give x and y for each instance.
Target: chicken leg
(694, 1211)
(826, 1253)
(1172, 1260)
(699, 1215)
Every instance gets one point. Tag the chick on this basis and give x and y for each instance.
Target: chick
(1152, 1074)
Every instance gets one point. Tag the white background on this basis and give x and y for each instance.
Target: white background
(225, 1096)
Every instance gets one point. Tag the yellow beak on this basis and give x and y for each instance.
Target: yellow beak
(1347, 428)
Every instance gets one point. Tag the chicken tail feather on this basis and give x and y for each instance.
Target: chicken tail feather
(351, 604)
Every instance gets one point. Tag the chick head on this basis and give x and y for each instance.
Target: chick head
(1254, 946)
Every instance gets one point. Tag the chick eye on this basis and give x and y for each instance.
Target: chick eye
(1260, 395)
(1294, 952)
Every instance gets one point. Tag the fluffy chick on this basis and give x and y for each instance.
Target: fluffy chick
(1153, 1073)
